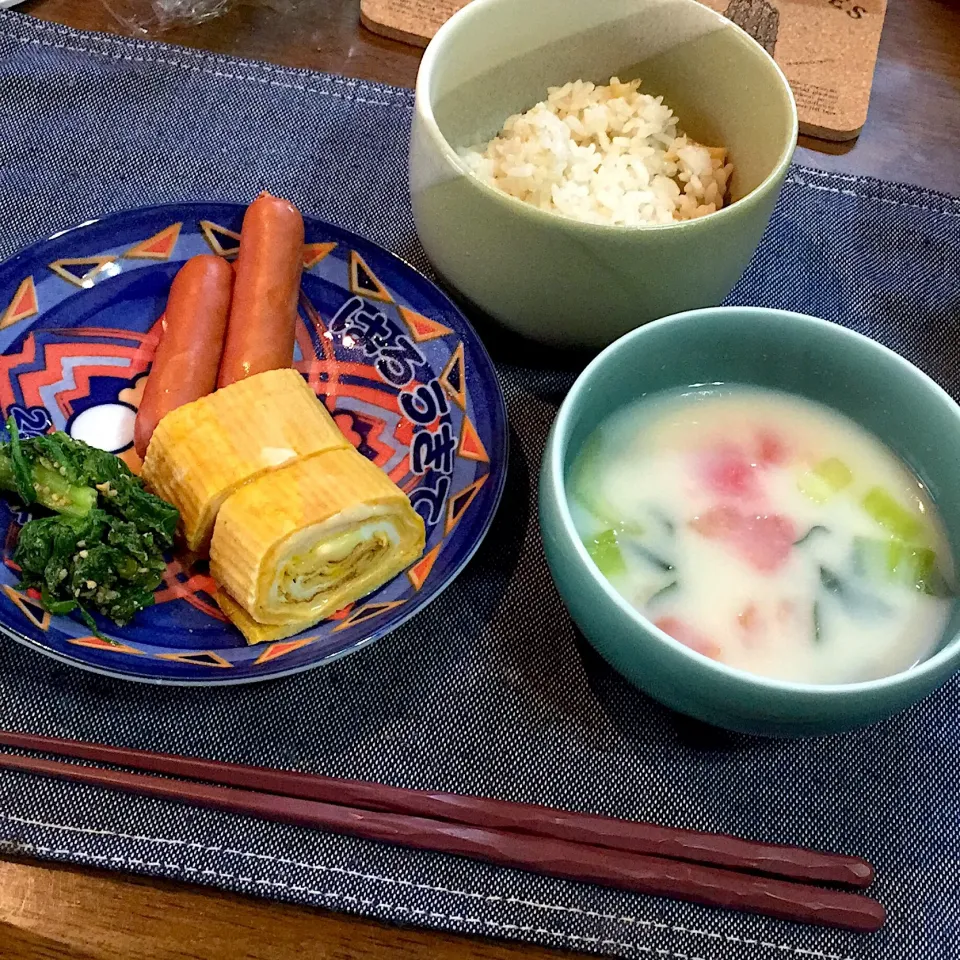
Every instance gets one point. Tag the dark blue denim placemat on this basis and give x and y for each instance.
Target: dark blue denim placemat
(492, 691)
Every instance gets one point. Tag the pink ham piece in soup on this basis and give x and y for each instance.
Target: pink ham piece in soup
(688, 636)
(731, 471)
(762, 540)
(772, 450)
(728, 471)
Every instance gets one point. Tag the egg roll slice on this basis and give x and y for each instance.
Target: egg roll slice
(252, 631)
(202, 452)
(296, 545)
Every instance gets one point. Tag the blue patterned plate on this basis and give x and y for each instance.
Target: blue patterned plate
(401, 370)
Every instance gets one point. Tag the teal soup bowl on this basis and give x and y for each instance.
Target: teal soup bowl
(789, 352)
(549, 277)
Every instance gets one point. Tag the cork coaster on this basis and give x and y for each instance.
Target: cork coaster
(826, 48)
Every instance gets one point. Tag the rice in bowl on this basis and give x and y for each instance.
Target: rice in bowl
(604, 154)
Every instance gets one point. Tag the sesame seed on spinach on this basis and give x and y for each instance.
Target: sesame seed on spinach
(103, 548)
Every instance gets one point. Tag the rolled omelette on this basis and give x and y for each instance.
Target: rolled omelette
(202, 452)
(294, 546)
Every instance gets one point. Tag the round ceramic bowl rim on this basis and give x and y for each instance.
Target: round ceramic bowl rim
(555, 467)
(424, 108)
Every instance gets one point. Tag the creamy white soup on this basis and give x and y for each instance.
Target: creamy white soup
(767, 532)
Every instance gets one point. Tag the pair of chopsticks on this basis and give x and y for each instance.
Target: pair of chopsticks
(711, 869)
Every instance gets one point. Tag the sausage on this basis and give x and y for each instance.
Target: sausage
(188, 356)
(263, 317)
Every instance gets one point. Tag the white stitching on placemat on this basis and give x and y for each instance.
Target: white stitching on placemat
(129, 44)
(393, 881)
(855, 178)
(847, 192)
(193, 68)
(303, 88)
(395, 908)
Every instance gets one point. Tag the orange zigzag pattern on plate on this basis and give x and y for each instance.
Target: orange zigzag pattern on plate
(31, 383)
(401, 469)
(176, 589)
(334, 388)
(8, 362)
(148, 346)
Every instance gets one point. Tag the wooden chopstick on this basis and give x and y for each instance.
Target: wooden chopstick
(722, 850)
(710, 886)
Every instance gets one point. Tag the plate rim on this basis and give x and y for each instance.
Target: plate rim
(24, 253)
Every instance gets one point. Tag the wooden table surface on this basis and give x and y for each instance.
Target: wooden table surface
(912, 134)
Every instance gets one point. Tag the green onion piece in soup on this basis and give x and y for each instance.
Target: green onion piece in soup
(898, 563)
(586, 488)
(605, 553)
(896, 519)
(825, 480)
(585, 482)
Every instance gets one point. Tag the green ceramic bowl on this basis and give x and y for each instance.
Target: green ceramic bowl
(554, 279)
(768, 348)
